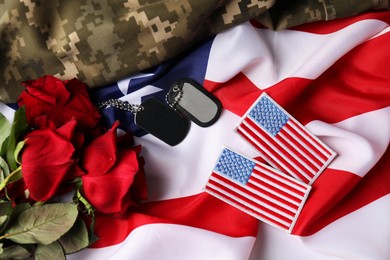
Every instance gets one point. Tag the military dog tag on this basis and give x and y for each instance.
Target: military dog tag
(162, 121)
(191, 99)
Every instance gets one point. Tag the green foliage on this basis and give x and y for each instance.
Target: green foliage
(51, 251)
(5, 214)
(12, 177)
(53, 229)
(45, 230)
(15, 252)
(5, 129)
(76, 239)
(42, 224)
(18, 128)
(4, 169)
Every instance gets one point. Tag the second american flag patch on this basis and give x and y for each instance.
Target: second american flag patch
(257, 189)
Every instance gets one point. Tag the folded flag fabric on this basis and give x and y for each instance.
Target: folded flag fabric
(283, 141)
(257, 189)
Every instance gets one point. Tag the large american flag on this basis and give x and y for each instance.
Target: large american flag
(283, 141)
(257, 189)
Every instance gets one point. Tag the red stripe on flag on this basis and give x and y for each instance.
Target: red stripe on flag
(248, 206)
(307, 149)
(282, 177)
(201, 211)
(337, 193)
(250, 140)
(269, 191)
(360, 75)
(269, 180)
(266, 145)
(266, 150)
(246, 209)
(291, 145)
(312, 143)
(283, 192)
(259, 194)
(250, 200)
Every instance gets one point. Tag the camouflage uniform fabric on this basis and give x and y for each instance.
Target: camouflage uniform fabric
(101, 41)
(286, 14)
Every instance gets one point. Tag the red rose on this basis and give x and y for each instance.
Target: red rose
(111, 173)
(51, 102)
(49, 160)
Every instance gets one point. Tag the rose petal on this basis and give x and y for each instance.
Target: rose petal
(139, 189)
(59, 102)
(110, 193)
(100, 155)
(47, 89)
(34, 108)
(80, 97)
(47, 161)
(42, 122)
(67, 130)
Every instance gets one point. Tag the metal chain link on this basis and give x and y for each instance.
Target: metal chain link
(123, 105)
(176, 98)
(126, 106)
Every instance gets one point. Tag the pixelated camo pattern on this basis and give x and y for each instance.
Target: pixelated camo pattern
(268, 115)
(234, 166)
(102, 41)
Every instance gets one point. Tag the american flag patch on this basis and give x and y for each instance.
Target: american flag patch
(283, 142)
(257, 189)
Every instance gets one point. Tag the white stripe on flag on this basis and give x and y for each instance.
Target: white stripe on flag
(179, 242)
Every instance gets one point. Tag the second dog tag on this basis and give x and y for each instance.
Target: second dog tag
(191, 99)
(162, 121)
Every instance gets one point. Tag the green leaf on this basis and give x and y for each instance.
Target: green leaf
(5, 129)
(4, 169)
(5, 214)
(90, 211)
(3, 221)
(3, 148)
(19, 208)
(15, 252)
(51, 251)
(76, 238)
(42, 224)
(80, 198)
(12, 177)
(18, 148)
(19, 127)
(16, 211)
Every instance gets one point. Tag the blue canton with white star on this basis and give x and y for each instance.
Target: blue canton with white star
(235, 166)
(268, 115)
